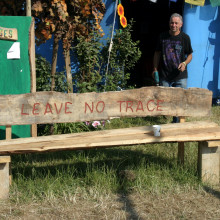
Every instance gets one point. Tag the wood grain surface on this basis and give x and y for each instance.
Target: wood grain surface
(177, 132)
(55, 107)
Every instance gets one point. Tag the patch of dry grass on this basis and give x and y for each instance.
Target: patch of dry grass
(192, 204)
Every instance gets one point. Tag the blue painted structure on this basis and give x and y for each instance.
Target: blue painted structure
(202, 24)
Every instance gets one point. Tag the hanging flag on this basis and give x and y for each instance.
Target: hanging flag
(215, 3)
(196, 2)
(123, 20)
(120, 10)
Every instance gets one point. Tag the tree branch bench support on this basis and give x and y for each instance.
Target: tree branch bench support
(208, 161)
(4, 176)
(54, 107)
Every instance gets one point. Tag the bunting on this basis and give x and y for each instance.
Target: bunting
(215, 3)
(196, 2)
(123, 20)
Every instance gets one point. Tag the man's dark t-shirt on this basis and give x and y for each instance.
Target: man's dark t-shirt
(174, 50)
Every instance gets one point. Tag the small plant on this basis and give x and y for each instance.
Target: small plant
(96, 125)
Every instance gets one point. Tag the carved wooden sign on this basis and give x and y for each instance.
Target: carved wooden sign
(55, 107)
(8, 33)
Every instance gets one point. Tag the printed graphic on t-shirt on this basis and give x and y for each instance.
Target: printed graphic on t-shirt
(172, 53)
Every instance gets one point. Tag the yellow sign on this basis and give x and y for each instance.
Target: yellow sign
(8, 33)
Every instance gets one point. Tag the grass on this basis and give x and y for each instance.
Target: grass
(150, 168)
(154, 168)
(94, 176)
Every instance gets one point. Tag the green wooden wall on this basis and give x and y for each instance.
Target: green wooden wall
(15, 77)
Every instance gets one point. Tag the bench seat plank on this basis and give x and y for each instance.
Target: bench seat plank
(185, 132)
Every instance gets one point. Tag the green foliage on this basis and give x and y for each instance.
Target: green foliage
(87, 53)
(43, 76)
(91, 62)
(124, 55)
(94, 59)
(62, 128)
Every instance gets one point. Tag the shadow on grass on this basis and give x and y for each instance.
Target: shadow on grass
(128, 207)
(212, 191)
(116, 159)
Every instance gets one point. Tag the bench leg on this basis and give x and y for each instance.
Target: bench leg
(4, 176)
(180, 153)
(180, 156)
(8, 136)
(208, 163)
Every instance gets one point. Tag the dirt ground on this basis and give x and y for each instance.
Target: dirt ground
(202, 204)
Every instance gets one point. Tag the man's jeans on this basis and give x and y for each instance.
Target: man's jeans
(182, 83)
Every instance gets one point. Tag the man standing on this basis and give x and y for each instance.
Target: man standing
(173, 53)
(174, 50)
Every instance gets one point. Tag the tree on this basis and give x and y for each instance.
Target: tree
(66, 20)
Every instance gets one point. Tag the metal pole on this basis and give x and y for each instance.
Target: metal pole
(28, 7)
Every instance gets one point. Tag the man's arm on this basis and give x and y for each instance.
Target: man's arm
(156, 61)
(188, 59)
(182, 66)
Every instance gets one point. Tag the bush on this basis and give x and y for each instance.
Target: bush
(96, 69)
(43, 76)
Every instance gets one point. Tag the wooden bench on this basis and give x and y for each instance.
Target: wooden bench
(54, 107)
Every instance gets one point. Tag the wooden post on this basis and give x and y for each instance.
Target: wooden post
(33, 68)
(4, 176)
(8, 132)
(68, 72)
(28, 7)
(8, 136)
(180, 156)
(208, 163)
